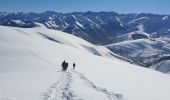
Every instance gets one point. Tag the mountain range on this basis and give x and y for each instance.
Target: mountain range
(141, 38)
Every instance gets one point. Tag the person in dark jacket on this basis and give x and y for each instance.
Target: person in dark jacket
(74, 65)
(64, 65)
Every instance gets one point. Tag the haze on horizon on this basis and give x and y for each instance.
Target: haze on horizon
(66, 6)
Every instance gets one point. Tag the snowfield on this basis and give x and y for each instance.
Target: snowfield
(30, 69)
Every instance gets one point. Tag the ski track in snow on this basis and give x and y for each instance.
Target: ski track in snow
(61, 90)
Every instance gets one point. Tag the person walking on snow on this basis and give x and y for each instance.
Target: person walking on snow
(64, 65)
(74, 65)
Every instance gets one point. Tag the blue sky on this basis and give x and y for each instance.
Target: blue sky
(121, 6)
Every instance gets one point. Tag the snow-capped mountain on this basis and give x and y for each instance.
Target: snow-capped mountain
(30, 69)
(149, 32)
(96, 27)
(86, 25)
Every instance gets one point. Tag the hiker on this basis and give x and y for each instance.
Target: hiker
(64, 65)
(74, 65)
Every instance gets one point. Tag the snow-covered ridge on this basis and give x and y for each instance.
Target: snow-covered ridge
(138, 19)
(165, 18)
(145, 52)
(30, 69)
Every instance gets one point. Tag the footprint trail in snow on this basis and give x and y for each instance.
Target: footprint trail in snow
(90, 84)
(61, 89)
(75, 86)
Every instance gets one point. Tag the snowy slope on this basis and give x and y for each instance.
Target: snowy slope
(145, 52)
(133, 33)
(162, 66)
(30, 70)
(135, 48)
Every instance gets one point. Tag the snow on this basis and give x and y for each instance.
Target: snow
(141, 31)
(121, 24)
(51, 24)
(162, 66)
(88, 19)
(80, 25)
(135, 33)
(30, 70)
(26, 85)
(165, 18)
(50, 18)
(66, 24)
(74, 17)
(139, 47)
(18, 21)
(3, 13)
(69, 82)
(93, 23)
(135, 20)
